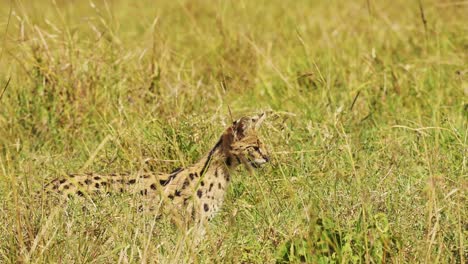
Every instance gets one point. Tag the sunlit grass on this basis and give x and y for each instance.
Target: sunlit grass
(368, 142)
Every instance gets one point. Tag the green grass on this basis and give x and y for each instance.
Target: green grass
(368, 145)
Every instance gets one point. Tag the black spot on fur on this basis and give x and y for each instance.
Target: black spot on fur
(144, 192)
(211, 187)
(216, 174)
(62, 181)
(121, 190)
(206, 207)
(202, 183)
(79, 193)
(170, 196)
(71, 175)
(191, 176)
(186, 183)
(153, 186)
(132, 181)
(97, 178)
(163, 182)
(219, 186)
(193, 213)
(177, 193)
(97, 185)
(104, 183)
(88, 182)
(229, 161)
(226, 176)
(66, 187)
(166, 182)
(199, 193)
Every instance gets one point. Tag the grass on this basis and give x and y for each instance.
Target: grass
(368, 148)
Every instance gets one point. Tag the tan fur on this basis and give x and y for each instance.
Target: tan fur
(194, 193)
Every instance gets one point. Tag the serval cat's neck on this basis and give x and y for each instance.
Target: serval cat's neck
(205, 183)
(217, 161)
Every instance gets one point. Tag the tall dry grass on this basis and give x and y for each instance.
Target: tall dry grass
(369, 147)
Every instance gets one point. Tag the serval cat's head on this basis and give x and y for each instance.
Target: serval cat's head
(241, 144)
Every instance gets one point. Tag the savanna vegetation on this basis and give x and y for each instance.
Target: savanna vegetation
(368, 131)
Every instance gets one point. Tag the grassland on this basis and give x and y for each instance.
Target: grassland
(368, 143)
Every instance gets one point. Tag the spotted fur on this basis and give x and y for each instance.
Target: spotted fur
(196, 192)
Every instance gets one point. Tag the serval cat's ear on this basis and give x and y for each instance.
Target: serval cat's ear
(245, 125)
(258, 120)
(240, 128)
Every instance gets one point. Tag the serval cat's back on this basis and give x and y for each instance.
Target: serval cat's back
(93, 183)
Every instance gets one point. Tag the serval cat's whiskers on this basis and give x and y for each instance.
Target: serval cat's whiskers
(191, 194)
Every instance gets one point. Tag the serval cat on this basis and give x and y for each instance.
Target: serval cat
(195, 193)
